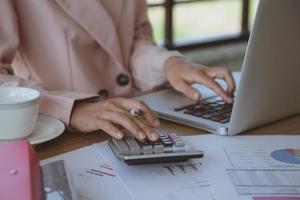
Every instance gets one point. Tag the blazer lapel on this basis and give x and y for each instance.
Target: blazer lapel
(93, 17)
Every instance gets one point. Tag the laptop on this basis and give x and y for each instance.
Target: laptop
(267, 87)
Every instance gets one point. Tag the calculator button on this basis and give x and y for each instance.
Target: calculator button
(146, 146)
(163, 137)
(179, 143)
(121, 146)
(167, 143)
(169, 149)
(165, 140)
(173, 136)
(158, 147)
(134, 147)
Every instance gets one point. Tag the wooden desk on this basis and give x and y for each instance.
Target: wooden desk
(71, 141)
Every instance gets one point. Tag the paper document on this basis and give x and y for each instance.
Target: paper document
(239, 167)
(162, 181)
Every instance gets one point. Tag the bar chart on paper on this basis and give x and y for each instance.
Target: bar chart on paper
(98, 170)
(184, 168)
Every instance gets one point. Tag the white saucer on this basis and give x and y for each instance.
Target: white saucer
(47, 128)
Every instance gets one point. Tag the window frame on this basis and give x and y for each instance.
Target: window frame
(169, 42)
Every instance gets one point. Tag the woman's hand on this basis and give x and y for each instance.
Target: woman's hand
(181, 74)
(108, 115)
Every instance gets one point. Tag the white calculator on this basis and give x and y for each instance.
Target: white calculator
(169, 148)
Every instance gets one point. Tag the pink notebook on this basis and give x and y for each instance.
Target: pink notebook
(20, 172)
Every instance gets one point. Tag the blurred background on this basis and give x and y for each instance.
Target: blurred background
(211, 32)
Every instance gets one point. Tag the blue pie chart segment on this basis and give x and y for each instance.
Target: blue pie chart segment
(290, 156)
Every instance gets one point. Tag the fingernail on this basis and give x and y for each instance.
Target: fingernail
(141, 135)
(119, 135)
(156, 123)
(229, 99)
(196, 96)
(153, 136)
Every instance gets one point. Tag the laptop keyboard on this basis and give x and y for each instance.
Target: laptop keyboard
(214, 109)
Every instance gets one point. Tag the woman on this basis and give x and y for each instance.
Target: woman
(72, 50)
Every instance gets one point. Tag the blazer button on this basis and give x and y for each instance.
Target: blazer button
(122, 79)
(103, 93)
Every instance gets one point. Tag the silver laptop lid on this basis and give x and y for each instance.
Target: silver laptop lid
(269, 86)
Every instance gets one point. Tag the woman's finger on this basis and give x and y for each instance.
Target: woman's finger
(212, 84)
(151, 134)
(108, 128)
(187, 90)
(129, 104)
(225, 74)
(125, 121)
(143, 124)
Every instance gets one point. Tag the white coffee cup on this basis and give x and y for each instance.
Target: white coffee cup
(18, 112)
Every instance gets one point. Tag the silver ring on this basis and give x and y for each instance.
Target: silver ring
(136, 112)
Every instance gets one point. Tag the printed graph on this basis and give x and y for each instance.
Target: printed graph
(98, 171)
(185, 168)
(290, 156)
(263, 157)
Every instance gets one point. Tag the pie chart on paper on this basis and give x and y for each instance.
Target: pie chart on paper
(290, 156)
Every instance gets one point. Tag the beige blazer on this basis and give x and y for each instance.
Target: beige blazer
(75, 49)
